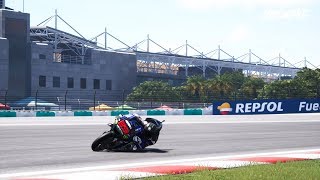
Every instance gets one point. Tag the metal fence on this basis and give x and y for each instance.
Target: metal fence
(90, 99)
(85, 100)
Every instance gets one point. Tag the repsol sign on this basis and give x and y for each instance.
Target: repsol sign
(258, 107)
(266, 106)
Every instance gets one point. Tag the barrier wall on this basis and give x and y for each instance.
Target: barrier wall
(105, 113)
(266, 106)
(218, 108)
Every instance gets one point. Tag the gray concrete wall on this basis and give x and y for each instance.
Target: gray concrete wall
(14, 15)
(15, 26)
(120, 67)
(4, 63)
(1, 24)
(117, 67)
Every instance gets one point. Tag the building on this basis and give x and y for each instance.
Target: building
(32, 64)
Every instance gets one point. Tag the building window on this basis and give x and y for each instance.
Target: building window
(96, 84)
(108, 85)
(42, 56)
(83, 83)
(70, 82)
(42, 81)
(56, 82)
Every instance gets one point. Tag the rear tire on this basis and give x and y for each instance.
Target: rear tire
(101, 142)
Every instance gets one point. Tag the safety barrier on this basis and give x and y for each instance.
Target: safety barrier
(193, 112)
(218, 108)
(8, 114)
(207, 111)
(140, 112)
(117, 113)
(156, 112)
(101, 113)
(64, 113)
(26, 113)
(82, 113)
(45, 114)
(105, 113)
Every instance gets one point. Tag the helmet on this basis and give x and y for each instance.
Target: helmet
(119, 117)
(152, 128)
(137, 116)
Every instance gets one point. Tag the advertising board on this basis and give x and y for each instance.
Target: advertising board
(266, 106)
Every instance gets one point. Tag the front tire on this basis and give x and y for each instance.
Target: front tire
(100, 143)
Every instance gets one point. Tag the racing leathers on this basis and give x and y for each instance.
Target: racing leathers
(139, 137)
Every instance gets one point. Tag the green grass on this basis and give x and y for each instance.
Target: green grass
(298, 170)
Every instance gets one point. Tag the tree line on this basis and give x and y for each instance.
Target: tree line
(230, 86)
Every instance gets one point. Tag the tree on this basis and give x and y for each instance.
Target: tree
(153, 91)
(235, 79)
(283, 89)
(226, 86)
(311, 79)
(219, 87)
(181, 93)
(196, 86)
(251, 87)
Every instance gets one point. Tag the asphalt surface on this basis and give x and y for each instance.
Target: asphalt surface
(34, 144)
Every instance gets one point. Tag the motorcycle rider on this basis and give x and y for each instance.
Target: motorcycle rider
(139, 133)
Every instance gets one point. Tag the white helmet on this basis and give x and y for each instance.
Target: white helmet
(137, 116)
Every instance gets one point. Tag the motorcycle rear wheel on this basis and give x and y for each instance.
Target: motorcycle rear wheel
(102, 142)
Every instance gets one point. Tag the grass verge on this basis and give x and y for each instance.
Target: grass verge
(291, 170)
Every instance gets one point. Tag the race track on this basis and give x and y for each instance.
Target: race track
(35, 144)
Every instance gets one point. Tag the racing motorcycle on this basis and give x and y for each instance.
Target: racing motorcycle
(113, 140)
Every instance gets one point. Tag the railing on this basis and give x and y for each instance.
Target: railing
(72, 59)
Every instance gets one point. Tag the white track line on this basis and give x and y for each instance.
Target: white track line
(111, 167)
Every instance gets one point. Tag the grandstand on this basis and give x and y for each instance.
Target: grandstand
(164, 62)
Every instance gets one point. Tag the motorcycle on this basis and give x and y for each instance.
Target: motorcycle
(113, 140)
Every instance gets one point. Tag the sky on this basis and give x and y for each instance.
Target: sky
(290, 28)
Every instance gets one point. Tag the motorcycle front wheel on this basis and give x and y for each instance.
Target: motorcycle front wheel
(102, 142)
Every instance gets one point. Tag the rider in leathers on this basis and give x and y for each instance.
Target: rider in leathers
(142, 133)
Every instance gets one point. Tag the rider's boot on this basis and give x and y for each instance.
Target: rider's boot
(138, 143)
